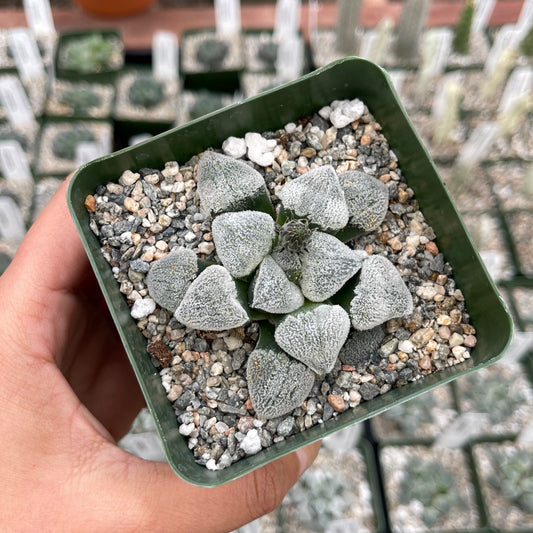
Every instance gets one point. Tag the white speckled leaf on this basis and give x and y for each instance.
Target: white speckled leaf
(170, 277)
(314, 336)
(272, 291)
(288, 261)
(211, 302)
(227, 184)
(277, 383)
(327, 265)
(380, 295)
(367, 199)
(242, 240)
(317, 195)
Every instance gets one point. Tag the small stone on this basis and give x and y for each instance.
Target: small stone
(470, 341)
(260, 150)
(234, 147)
(455, 340)
(161, 352)
(233, 343)
(206, 248)
(425, 363)
(422, 337)
(251, 444)
(406, 346)
(444, 332)
(142, 308)
(444, 320)
(427, 292)
(90, 203)
(286, 427)
(366, 140)
(186, 429)
(308, 152)
(217, 369)
(337, 402)
(369, 391)
(432, 248)
(128, 178)
(459, 352)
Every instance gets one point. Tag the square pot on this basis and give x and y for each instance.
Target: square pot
(347, 78)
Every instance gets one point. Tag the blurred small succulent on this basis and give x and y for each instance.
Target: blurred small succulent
(461, 37)
(409, 416)
(211, 53)
(145, 92)
(526, 46)
(87, 55)
(204, 103)
(79, 100)
(434, 486)
(66, 142)
(268, 53)
(330, 494)
(255, 278)
(513, 477)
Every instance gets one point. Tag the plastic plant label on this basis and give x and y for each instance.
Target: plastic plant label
(508, 38)
(165, 55)
(524, 19)
(13, 162)
(289, 62)
(11, 222)
(87, 151)
(287, 18)
(39, 17)
(26, 53)
(228, 16)
(461, 430)
(482, 12)
(478, 144)
(312, 18)
(440, 100)
(519, 84)
(441, 39)
(15, 102)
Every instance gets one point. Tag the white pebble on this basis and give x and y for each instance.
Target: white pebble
(211, 465)
(142, 308)
(345, 112)
(234, 147)
(187, 429)
(206, 248)
(406, 346)
(189, 236)
(217, 369)
(260, 150)
(251, 444)
(233, 343)
(128, 177)
(290, 127)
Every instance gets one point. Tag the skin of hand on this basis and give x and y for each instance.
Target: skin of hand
(68, 394)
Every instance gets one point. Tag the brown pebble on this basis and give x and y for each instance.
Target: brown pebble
(248, 404)
(385, 178)
(337, 402)
(425, 363)
(403, 196)
(422, 337)
(368, 249)
(308, 152)
(161, 352)
(90, 203)
(432, 248)
(395, 244)
(444, 332)
(366, 140)
(348, 368)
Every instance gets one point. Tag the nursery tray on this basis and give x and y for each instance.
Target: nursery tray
(345, 78)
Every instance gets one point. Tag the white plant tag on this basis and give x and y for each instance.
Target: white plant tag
(365, 50)
(508, 38)
(228, 16)
(87, 151)
(15, 102)
(312, 19)
(461, 430)
(345, 440)
(11, 222)
(525, 18)
(398, 78)
(13, 162)
(287, 18)
(525, 437)
(39, 17)
(289, 62)
(521, 344)
(478, 144)
(482, 11)
(443, 38)
(26, 53)
(440, 99)
(520, 84)
(165, 55)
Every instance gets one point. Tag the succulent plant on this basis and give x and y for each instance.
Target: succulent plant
(513, 476)
(410, 26)
(204, 103)
(494, 394)
(212, 52)
(252, 282)
(88, 55)
(461, 36)
(409, 416)
(79, 100)
(434, 486)
(146, 92)
(65, 142)
(268, 53)
(330, 493)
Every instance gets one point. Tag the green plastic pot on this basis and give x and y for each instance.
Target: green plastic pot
(346, 78)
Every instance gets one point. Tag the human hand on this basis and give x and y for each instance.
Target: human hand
(68, 393)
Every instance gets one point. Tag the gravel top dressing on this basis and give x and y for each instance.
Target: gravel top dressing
(404, 317)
